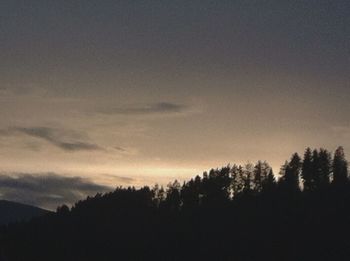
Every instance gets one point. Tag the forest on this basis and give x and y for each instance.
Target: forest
(237, 212)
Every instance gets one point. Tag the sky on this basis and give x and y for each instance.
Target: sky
(107, 93)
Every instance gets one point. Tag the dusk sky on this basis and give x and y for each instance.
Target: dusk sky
(139, 92)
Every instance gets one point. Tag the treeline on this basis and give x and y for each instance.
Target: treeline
(316, 171)
(232, 213)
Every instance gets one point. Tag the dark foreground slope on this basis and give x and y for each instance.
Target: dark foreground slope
(13, 212)
(234, 213)
(126, 225)
(306, 227)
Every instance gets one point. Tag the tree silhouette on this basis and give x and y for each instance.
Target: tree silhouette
(325, 167)
(306, 172)
(248, 173)
(62, 210)
(315, 170)
(290, 175)
(159, 195)
(340, 167)
(191, 193)
(261, 171)
(269, 184)
(237, 180)
(173, 197)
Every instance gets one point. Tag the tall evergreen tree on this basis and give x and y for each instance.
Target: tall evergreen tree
(306, 173)
(315, 170)
(158, 194)
(189, 195)
(261, 171)
(237, 177)
(340, 167)
(269, 184)
(248, 178)
(173, 197)
(258, 176)
(325, 166)
(291, 173)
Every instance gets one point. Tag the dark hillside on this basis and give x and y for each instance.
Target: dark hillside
(232, 213)
(13, 212)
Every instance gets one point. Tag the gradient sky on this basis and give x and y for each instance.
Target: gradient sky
(137, 92)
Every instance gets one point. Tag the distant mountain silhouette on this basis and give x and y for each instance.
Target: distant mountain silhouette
(11, 212)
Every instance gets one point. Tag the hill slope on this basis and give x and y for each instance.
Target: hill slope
(239, 213)
(12, 211)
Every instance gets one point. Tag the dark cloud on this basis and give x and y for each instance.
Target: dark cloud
(47, 190)
(56, 137)
(120, 179)
(155, 108)
(120, 149)
(77, 146)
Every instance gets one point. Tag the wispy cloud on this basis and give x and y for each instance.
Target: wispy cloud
(120, 149)
(119, 179)
(148, 109)
(56, 137)
(47, 190)
(340, 130)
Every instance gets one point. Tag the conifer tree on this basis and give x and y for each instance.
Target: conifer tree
(269, 184)
(340, 167)
(290, 174)
(315, 170)
(306, 172)
(325, 166)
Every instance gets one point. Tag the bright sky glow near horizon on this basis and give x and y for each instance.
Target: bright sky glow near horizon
(139, 92)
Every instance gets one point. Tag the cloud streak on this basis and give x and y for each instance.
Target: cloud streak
(47, 190)
(55, 137)
(149, 109)
(120, 179)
